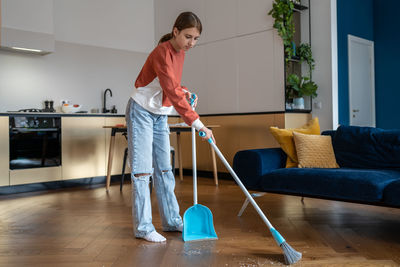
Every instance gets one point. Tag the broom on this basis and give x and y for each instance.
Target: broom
(291, 255)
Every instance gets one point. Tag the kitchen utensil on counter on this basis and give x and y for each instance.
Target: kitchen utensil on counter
(69, 108)
(48, 106)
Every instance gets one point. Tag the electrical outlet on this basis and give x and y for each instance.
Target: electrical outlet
(318, 105)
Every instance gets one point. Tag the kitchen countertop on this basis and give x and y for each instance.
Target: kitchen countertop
(61, 114)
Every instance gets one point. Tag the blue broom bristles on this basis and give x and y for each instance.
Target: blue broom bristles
(291, 255)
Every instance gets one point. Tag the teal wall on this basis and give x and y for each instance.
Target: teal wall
(387, 62)
(378, 21)
(354, 17)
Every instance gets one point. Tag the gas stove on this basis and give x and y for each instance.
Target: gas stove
(48, 108)
(33, 110)
(30, 110)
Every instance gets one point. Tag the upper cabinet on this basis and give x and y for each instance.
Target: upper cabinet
(27, 25)
(238, 65)
(252, 17)
(165, 13)
(222, 19)
(225, 19)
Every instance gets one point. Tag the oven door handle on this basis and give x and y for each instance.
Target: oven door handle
(27, 130)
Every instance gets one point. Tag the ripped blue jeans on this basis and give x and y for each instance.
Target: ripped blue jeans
(149, 155)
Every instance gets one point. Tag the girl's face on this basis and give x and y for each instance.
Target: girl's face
(186, 38)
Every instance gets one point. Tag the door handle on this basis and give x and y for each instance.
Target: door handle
(356, 110)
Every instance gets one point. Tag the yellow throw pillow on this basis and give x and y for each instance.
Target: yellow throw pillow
(314, 151)
(285, 139)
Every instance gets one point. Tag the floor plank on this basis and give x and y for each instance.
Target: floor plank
(92, 227)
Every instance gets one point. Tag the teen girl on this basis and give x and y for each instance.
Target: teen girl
(159, 93)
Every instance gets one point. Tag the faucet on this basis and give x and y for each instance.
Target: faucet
(105, 110)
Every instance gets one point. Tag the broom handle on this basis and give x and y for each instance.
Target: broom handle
(194, 166)
(249, 197)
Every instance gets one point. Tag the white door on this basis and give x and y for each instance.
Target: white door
(361, 81)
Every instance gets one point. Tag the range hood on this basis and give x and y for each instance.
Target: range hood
(27, 26)
(26, 42)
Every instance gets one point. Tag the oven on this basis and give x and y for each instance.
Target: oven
(35, 141)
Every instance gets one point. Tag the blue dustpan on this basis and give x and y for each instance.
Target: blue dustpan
(198, 224)
(198, 219)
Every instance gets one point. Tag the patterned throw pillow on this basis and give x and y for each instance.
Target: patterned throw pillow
(314, 151)
(285, 139)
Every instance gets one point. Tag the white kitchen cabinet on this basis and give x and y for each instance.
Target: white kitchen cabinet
(4, 152)
(119, 146)
(83, 147)
(221, 73)
(27, 24)
(166, 13)
(252, 17)
(258, 71)
(238, 67)
(194, 71)
(220, 19)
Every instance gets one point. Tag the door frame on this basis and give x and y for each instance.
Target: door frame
(352, 38)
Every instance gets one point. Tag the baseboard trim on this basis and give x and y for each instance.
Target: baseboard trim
(205, 174)
(91, 182)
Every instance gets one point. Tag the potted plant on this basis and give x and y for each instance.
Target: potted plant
(298, 87)
(282, 12)
(305, 54)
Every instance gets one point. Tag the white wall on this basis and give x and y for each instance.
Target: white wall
(321, 41)
(237, 67)
(99, 44)
(75, 72)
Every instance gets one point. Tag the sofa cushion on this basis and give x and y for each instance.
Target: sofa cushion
(391, 194)
(285, 139)
(314, 151)
(347, 184)
(367, 147)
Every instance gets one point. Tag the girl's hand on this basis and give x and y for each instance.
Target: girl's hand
(209, 134)
(189, 96)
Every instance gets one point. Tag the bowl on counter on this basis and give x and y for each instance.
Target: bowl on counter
(69, 108)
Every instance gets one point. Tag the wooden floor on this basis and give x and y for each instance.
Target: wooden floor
(89, 227)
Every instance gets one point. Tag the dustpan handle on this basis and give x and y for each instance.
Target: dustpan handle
(194, 166)
(194, 163)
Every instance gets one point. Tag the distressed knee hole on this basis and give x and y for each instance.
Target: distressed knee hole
(165, 171)
(141, 174)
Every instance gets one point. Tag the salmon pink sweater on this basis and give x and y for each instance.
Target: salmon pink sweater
(158, 86)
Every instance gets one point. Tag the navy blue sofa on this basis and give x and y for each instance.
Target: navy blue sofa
(369, 160)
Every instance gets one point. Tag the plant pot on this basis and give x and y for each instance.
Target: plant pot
(298, 103)
(294, 48)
